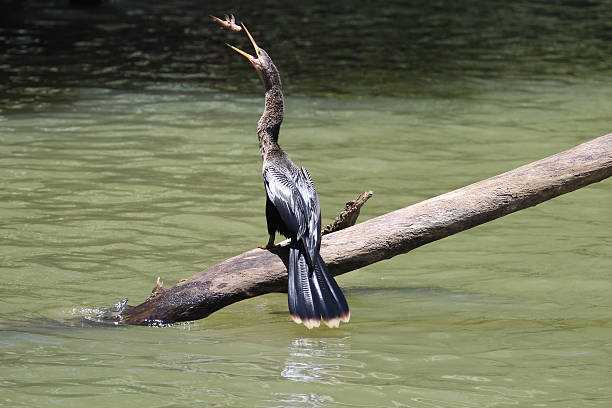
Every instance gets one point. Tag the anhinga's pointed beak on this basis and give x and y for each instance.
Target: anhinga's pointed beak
(247, 55)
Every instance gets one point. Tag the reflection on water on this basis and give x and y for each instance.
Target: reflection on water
(315, 360)
(303, 400)
(366, 48)
(330, 362)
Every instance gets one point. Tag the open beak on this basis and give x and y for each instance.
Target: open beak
(247, 55)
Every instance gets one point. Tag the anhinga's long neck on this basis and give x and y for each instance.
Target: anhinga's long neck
(270, 122)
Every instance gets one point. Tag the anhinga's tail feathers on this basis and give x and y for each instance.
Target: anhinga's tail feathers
(303, 306)
(314, 295)
(333, 304)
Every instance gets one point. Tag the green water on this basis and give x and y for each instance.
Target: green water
(103, 188)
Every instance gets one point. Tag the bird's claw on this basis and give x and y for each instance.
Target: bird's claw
(270, 243)
(267, 246)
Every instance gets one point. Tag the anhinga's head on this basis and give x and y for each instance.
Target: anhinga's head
(262, 62)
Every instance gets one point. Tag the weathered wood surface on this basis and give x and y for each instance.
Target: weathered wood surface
(258, 271)
(348, 216)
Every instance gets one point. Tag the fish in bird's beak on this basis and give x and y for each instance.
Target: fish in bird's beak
(247, 55)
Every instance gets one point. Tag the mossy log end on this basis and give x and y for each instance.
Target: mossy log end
(258, 271)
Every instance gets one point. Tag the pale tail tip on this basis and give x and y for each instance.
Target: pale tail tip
(335, 322)
(346, 317)
(309, 323)
(332, 323)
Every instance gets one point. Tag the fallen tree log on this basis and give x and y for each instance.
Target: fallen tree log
(258, 271)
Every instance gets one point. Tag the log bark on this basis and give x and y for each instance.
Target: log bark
(348, 216)
(258, 271)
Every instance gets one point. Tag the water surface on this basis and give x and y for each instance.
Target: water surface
(105, 186)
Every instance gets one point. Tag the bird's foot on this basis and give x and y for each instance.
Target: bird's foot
(270, 243)
(267, 246)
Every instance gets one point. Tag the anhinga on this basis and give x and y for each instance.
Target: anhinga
(292, 208)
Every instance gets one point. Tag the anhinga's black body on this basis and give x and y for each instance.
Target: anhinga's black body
(292, 208)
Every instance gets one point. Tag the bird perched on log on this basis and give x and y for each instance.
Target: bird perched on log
(292, 208)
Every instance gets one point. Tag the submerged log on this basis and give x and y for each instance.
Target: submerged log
(258, 271)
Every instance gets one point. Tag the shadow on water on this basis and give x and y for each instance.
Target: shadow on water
(347, 48)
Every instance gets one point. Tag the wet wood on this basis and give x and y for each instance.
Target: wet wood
(258, 271)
